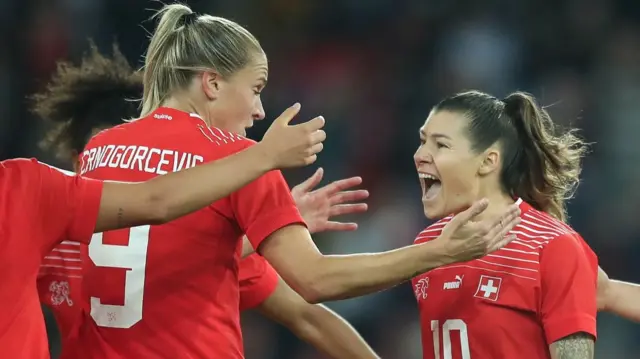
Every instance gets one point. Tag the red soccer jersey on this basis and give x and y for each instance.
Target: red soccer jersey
(257, 279)
(39, 206)
(171, 291)
(514, 302)
(60, 286)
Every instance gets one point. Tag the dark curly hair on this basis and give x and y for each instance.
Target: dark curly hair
(98, 94)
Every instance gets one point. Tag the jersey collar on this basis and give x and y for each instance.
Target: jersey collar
(169, 114)
(524, 206)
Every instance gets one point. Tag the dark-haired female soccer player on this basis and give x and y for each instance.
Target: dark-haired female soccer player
(536, 297)
(98, 94)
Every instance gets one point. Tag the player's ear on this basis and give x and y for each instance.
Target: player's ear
(210, 82)
(490, 161)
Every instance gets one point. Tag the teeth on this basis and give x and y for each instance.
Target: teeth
(427, 176)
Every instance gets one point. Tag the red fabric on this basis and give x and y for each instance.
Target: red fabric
(40, 206)
(514, 302)
(181, 278)
(258, 280)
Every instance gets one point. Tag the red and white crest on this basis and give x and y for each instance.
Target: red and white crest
(488, 288)
(60, 292)
(421, 287)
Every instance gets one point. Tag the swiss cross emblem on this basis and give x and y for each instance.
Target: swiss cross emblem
(488, 288)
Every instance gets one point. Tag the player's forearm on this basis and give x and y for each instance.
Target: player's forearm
(331, 334)
(622, 299)
(318, 278)
(168, 197)
(338, 277)
(575, 346)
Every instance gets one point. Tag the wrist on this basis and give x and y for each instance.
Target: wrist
(264, 158)
(436, 252)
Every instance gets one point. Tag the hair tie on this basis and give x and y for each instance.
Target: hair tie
(511, 105)
(189, 19)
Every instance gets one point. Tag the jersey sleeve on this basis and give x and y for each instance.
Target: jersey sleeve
(257, 280)
(264, 206)
(69, 204)
(569, 276)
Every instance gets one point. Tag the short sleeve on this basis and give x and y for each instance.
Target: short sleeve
(257, 280)
(264, 206)
(69, 204)
(569, 277)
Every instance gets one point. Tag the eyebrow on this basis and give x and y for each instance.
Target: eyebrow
(440, 135)
(434, 135)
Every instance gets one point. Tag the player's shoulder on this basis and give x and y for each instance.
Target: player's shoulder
(432, 231)
(20, 164)
(548, 232)
(22, 168)
(543, 226)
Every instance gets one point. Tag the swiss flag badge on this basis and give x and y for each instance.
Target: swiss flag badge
(488, 288)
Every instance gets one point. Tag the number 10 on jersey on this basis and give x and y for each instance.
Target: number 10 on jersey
(447, 327)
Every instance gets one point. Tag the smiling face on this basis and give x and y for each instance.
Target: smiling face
(447, 166)
(237, 99)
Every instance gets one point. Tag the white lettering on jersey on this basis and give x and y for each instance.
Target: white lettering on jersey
(138, 158)
(162, 116)
(455, 284)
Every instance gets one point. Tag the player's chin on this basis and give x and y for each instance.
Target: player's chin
(433, 209)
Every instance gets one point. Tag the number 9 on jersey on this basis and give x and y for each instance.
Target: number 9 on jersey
(133, 258)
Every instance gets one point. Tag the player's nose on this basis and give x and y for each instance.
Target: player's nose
(258, 111)
(422, 155)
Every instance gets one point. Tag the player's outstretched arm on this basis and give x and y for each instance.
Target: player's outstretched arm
(167, 197)
(319, 278)
(575, 346)
(315, 324)
(617, 297)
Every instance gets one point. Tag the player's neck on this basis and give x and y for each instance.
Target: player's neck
(498, 203)
(184, 104)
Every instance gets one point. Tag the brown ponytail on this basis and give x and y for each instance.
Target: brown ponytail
(552, 158)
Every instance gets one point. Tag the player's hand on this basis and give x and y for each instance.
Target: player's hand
(319, 206)
(293, 145)
(466, 238)
(603, 289)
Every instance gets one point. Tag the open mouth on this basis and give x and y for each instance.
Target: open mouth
(432, 185)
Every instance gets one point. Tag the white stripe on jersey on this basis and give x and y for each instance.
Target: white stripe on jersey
(521, 257)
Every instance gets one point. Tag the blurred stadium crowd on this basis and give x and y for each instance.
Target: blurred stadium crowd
(373, 69)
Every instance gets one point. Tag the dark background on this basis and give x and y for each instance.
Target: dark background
(374, 69)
